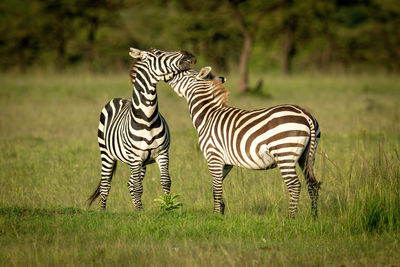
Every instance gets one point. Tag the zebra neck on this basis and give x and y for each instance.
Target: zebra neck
(202, 108)
(144, 96)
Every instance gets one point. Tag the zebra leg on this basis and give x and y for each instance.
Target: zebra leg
(135, 185)
(225, 171)
(313, 192)
(142, 173)
(293, 184)
(312, 186)
(216, 171)
(165, 180)
(108, 166)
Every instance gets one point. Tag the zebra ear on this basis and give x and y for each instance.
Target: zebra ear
(203, 73)
(136, 53)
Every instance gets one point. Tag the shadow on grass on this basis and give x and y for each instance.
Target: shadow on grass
(20, 211)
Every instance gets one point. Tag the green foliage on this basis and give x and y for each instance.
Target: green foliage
(167, 202)
(376, 215)
(380, 215)
(63, 34)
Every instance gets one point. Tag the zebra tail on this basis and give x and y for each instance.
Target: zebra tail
(95, 195)
(309, 164)
(96, 192)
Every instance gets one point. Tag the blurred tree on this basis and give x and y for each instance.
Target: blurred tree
(385, 21)
(60, 26)
(248, 15)
(366, 34)
(205, 28)
(301, 22)
(299, 34)
(20, 33)
(95, 14)
(42, 30)
(70, 20)
(320, 32)
(288, 29)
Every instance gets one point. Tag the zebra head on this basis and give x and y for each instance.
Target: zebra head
(205, 74)
(191, 79)
(163, 65)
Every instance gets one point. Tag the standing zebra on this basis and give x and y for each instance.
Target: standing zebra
(132, 130)
(258, 139)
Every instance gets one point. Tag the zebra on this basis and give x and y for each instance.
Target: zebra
(260, 139)
(132, 130)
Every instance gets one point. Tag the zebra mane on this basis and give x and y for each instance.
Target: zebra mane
(219, 91)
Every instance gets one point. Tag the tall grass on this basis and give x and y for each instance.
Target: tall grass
(49, 165)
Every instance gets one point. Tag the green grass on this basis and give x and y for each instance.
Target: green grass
(73, 236)
(50, 164)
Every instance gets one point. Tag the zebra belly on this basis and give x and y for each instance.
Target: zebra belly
(255, 159)
(145, 152)
(264, 161)
(148, 153)
(268, 160)
(260, 154)
(129, 153)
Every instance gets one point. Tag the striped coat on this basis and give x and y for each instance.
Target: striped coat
(132, 130)
(258, 139)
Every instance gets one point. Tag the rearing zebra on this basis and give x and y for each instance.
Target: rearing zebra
(258, 139)
(132, 130)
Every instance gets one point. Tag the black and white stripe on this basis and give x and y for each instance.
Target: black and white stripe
(258, 139)
(132, 130)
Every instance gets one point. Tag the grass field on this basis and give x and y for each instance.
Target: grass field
(50, 164)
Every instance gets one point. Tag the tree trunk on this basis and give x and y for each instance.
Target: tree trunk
(243, 64)
(288, 50)
(61, 44)
(248, 33)
(93, 27)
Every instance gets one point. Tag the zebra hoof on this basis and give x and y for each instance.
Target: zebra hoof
(222, 211)
(139, 209)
